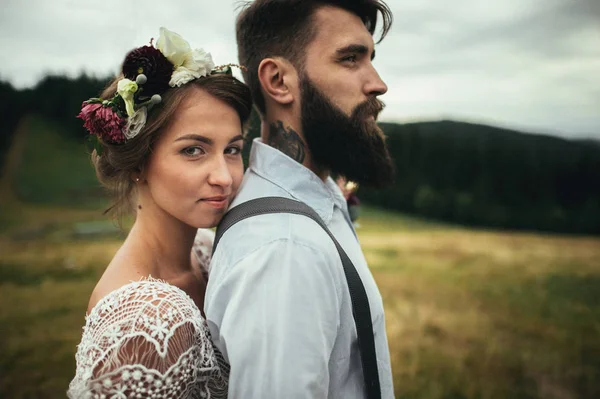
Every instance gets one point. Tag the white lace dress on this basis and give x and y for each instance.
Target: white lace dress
(148, 339)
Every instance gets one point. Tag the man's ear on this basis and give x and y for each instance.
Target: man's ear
(279, 79)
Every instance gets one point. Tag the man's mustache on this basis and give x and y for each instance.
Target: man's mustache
(372, 107)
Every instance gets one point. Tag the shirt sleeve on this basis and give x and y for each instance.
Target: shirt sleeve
(275, 316)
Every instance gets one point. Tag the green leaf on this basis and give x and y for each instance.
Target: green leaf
(225, 71)
(93, 143)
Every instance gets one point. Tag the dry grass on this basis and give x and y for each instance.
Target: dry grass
(470, 314)
(45, 285)
(476, 314)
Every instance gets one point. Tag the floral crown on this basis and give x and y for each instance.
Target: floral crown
(148, 72)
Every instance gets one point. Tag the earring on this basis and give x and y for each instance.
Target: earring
(137, 179)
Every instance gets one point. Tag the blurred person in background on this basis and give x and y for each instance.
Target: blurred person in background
(349, 192)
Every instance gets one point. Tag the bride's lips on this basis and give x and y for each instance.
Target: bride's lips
(219, 202)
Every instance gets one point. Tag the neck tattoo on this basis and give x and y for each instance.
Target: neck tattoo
(287, 141)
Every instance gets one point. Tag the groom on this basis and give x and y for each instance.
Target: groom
(277, 302)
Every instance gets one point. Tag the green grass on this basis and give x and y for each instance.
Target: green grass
(56, 170)
(384, 221)
(470, 314)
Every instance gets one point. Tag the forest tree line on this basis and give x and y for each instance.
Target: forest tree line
(475, 175)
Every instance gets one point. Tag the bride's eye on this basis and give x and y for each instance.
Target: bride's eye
(192, 151)
(233, 150)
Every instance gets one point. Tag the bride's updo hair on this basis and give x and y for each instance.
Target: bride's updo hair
(117, 164)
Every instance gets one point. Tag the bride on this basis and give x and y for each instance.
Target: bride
(169, 140)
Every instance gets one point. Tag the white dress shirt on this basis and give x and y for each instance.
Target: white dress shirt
(277, 301)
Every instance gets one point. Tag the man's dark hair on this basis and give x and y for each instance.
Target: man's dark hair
(283, 28)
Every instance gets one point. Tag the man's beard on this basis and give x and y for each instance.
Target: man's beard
(351, 146)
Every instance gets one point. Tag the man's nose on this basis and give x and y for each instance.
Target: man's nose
(375, 86)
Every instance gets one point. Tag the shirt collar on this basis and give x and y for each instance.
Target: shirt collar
(298, 181)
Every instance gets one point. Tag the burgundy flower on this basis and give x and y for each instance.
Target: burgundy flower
(152, 63)
(103, 122)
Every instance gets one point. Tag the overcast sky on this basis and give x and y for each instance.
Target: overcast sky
(527, 64)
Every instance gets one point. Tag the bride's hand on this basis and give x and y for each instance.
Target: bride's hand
(202, 251)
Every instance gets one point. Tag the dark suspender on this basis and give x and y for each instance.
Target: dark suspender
(358, 295)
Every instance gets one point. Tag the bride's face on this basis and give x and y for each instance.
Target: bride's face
(196, 166)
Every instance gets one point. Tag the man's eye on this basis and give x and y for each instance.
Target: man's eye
(193, 151)
(350, 58)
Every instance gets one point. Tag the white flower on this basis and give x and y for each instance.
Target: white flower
(197, 64)
(136, 123)
(180, 77)
(189, 64)
(173, 46)
(126, 88)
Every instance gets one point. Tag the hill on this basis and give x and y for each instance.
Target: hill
(488, 176)
(465, 173)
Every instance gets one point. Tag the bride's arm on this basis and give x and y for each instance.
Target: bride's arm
(148, 340)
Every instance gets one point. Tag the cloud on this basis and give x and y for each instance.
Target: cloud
(529, 64)
(526, 64)
(69, 36)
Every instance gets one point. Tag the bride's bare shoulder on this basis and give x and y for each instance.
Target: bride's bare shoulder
(121, 271)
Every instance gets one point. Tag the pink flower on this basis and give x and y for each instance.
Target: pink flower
(103, 122)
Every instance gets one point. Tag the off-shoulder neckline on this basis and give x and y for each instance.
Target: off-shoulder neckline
(143, 280)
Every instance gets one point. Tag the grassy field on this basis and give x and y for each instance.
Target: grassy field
(470, 314)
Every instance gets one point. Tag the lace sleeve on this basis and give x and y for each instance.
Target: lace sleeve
(147, 339)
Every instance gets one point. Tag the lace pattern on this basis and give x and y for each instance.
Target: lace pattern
(147, 340)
